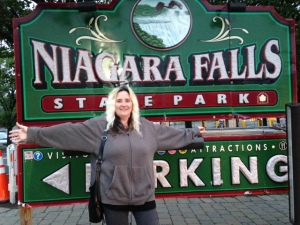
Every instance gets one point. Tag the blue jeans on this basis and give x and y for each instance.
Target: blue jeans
(114, 217)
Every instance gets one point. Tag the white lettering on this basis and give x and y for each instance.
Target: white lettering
(105, 67)
(243, 98)
(283, 169)
(273, 59)
(103, 102)
(252, 64)
(174, 66)
(50, 155)
(50, 61)
(218, 64)
(66, 68)
(234, 66)
(161, 176)
(189, 172)
(238, 166)
(177, 99)
(216, 171)
(130, 66)
(84, 63)
(199, 66)
(148, 101)
(58, 103)
(151, 70)
(221, 99)
(81, 102)
(200, 100)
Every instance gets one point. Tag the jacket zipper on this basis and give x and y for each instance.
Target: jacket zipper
(130, 197)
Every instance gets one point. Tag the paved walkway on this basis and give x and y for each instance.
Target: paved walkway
(240, 210)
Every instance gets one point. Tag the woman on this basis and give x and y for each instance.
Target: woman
(127, 179)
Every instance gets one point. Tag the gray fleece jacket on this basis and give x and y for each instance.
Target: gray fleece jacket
(127, 176)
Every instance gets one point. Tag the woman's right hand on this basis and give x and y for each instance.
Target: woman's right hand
(202, 130)
(20, 135)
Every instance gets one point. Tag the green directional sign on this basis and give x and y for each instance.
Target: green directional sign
(51, 176)
(220, 166)
(224, 166)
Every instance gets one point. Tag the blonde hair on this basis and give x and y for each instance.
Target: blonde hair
(111, 110)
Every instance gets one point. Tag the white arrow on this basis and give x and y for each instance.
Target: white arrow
(59, 179)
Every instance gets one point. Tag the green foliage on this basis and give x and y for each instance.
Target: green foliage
(7, 93)
(11, 9)
(144, 10)
(152, 40)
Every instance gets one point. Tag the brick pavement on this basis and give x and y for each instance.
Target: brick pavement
(239, 210)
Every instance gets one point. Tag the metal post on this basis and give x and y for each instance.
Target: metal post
(264, 122)
(293, 131)
(188, 124)
(12, 167)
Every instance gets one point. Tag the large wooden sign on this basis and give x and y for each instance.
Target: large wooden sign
(185, 59)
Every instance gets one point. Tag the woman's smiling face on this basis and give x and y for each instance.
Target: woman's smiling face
(123, 105)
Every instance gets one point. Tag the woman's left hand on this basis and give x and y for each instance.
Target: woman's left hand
(20, 135)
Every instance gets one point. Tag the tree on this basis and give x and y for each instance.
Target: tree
(7, 93)
(11, 9)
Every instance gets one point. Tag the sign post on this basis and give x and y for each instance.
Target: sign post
(25, 215)
(293, 131)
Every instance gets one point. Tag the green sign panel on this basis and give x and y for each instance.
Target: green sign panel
(182, 58)
(240, 165)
